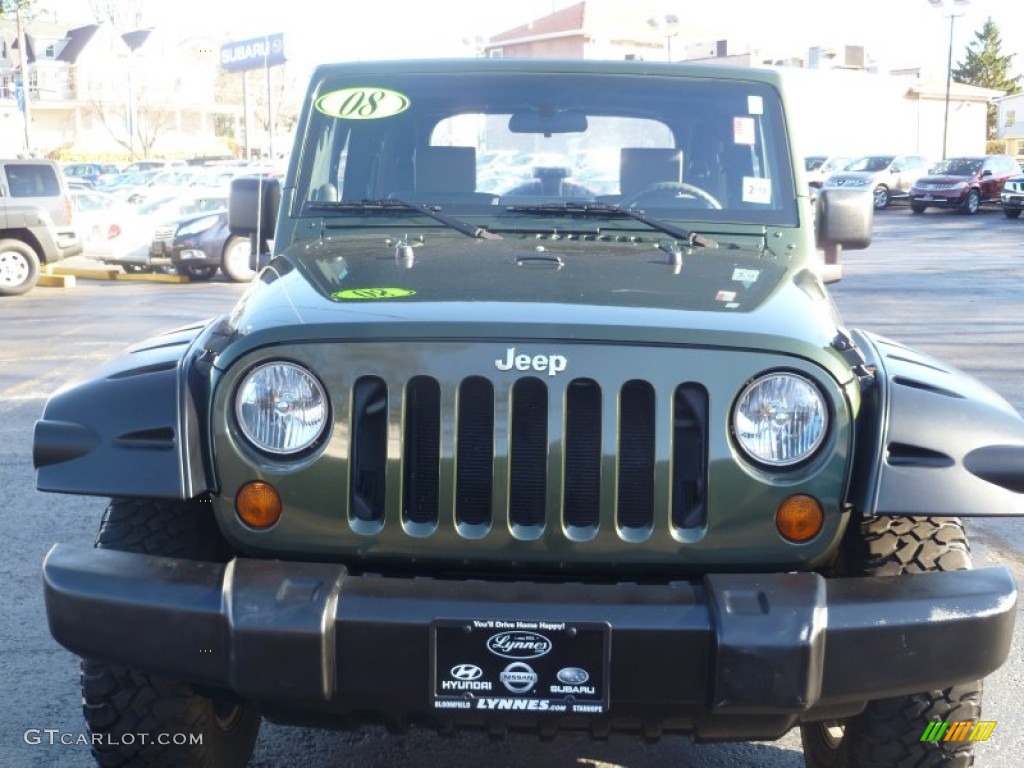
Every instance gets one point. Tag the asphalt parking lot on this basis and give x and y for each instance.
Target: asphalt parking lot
(947, 284)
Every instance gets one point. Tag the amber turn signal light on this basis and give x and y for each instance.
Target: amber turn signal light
(258, 504)
(799, 518)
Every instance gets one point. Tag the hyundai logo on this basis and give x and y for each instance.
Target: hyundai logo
(573, 676)
(467, 672)
(518, 677)
(518, 645)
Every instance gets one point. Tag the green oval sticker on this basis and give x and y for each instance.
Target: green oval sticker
(362, 103)
(372, 293)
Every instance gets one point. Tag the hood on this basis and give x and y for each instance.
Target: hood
(451, 286)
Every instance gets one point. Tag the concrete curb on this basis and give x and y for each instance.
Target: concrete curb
(55, 276)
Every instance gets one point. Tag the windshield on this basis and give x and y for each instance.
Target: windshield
(871, 163)
(481, 143)
(957, 166)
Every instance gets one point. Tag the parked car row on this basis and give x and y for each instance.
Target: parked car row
(183, 232)
(960, 183)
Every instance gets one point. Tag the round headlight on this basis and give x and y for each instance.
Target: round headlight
(281, 408)
(780, 419)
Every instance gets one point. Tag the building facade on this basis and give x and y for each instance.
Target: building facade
(1010, 125)
(843, 104)
(95, 93)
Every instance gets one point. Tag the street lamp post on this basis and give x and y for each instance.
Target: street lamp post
(667, 26)
(943, 5)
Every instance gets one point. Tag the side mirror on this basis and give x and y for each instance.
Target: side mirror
(986, 172)
(253, 203)
(843, 219)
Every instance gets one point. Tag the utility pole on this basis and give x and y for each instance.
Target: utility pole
(953, 16)
(25, 100)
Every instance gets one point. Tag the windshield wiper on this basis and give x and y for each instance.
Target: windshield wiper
(607, 210)
(392, 205)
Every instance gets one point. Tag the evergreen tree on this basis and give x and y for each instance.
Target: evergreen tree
(985, 65)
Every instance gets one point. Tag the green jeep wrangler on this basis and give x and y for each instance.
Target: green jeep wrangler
(540, 404)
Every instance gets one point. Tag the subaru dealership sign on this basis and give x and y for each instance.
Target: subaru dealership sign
(256, 53)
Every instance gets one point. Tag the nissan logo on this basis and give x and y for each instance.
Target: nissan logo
(467, 672)
(518, 677)
(518, 645)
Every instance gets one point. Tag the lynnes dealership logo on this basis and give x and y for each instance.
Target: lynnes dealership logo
(518, 645)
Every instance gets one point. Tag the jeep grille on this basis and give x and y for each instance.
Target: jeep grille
(519, 461)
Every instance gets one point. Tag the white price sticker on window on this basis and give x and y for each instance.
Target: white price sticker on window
(757, 190)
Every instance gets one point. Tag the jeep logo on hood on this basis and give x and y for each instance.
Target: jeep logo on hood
(551, 363)
(518, 645)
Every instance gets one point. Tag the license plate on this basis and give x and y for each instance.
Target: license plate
(520, 666)
(929, 198)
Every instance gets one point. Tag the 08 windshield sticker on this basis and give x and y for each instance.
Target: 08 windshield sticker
(373, 293)
(363, 103)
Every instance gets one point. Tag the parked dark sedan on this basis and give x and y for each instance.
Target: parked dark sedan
(1013, 196)
(964, 183)
(199, 245)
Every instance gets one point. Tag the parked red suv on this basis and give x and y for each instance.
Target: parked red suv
(963, 183)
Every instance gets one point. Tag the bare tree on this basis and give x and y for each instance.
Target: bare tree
(286, 92)
(151, 119)
(123, 14)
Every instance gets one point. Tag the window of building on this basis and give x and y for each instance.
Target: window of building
(1011, 117)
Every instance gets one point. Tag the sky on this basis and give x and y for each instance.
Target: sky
(898, 32)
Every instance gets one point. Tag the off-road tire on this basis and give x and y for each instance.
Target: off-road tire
(117, 701)
(19, 267)
(888, 732)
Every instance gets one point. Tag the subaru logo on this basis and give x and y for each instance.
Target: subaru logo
(466, 672)
(573, 676)
(518, 677)
(518, 645)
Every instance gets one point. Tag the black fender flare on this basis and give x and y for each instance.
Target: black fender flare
(133, 428)
(931, 440)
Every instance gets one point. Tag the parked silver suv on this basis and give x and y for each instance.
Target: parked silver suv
(889, 176)
(35, 222)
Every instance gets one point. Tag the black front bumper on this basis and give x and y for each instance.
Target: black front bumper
(731, 656)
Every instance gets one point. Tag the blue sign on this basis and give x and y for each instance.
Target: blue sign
(19, 95)
(257, 53)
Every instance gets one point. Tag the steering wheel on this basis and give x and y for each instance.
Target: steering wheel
(670, 186)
